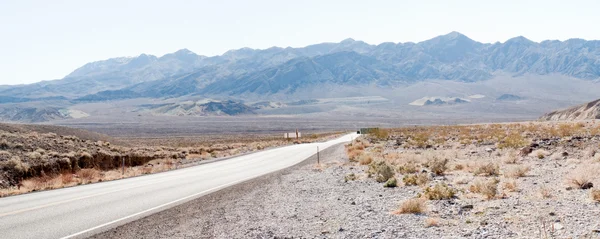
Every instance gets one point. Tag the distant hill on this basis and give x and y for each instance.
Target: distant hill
(210, 108)
(586, 111)
(509, 97)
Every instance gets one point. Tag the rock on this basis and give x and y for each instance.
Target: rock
(565, 154)
(552, 214)
(466, 208)
(587, 185)
(353, 203)
(558, 226)
(526, 151)
(534, 145)
(569, 188)
(489, 150)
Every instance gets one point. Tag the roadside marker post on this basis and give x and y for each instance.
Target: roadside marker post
(123, 167)
(318, 156)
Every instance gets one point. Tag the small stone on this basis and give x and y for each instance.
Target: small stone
(565, 154)
(466, 207)
(558, 226)
(587, 185)
(353, 203)
(552, 214)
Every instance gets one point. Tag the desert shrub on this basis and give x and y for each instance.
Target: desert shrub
(365, 159)
(391, 183)
(408, 168)
(437, 166)
(459, 167)
(566, 129)
(15, 165)
(4, 144)
(415, 179)
(516, 171)
(595, 193)
(34, 155)
(41, 151)
(350, 177)
(581, 178)
(510, 186)
(411, 206)
(487, 169)
(4, 155)
(379, 133)
(510, 158)
(420, 140)
(488, 188)
(440, 191)
(381, 170)
(514, 141)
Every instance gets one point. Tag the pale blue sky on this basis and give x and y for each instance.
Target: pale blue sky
(44, 40)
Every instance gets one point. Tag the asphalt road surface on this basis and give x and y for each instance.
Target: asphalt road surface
(82, 211)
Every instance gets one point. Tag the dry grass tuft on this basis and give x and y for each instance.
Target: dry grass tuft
(545, 192)
(411, 206)
(510, 158)
(513, 141)
(510, 186)
(540, 153)
(432, 222)
(437, 166)
(488, 188)
(88, 175)
(487, 169)
(581, 177)
(516, 171)
(365, 159)
(595, 194)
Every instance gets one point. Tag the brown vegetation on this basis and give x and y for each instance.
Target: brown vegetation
(412, 206)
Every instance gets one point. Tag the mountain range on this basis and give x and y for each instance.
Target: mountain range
(345, 69)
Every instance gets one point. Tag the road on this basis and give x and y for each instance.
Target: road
(82, 211)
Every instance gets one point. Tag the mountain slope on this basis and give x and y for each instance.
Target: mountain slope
(586, 111)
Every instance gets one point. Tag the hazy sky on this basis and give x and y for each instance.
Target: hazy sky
(44, 40)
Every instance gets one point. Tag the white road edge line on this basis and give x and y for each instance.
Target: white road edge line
(178, 200)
